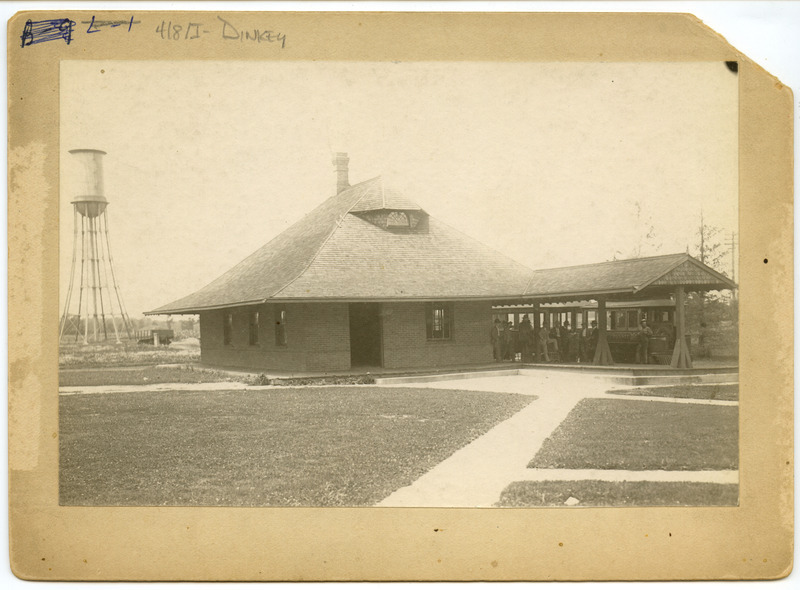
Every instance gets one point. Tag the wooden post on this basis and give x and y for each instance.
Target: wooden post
(681, 357)
(536, 329)
(602, 355)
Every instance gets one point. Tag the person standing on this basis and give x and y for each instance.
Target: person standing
(563, 341)
(583, 344)
(542, 338)
(643, 346)
(705, 350)
(525, 338)
(554, 336)
(508, 343)
(594, 335)
(495, 337)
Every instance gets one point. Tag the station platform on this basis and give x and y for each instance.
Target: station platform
(703, 372)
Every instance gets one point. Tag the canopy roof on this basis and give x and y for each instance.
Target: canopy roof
(653, 276)
(585, 304)
(345, 250)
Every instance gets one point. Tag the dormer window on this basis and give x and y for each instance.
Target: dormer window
(397, 219)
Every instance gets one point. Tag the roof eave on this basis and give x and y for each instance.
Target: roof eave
(725, 281)
(589, 294)
(195, 309)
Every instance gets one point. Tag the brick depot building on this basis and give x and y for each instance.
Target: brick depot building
(369, 279)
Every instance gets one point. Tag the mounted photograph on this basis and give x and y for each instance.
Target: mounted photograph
(398, 284)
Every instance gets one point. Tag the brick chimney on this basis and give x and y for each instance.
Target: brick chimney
(340, 160)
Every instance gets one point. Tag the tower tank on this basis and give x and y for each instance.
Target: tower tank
(100, 312)
(91, 200)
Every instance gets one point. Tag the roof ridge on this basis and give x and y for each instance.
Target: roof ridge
(612, 261)
(720, 274)
(275, 237)
(374, 178)
(340, 219)
(684, 258)
(477, 241)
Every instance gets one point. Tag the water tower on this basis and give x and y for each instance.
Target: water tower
(100, 311)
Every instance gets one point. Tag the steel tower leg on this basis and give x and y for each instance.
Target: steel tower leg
(65, 316)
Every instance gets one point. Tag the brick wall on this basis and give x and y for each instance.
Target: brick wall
(405, 342)
(317, 338)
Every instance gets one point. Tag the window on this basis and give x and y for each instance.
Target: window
(253, 328)
(397, 219)
(633, 319)
(439, 321)
(280, 327)
(227, 329)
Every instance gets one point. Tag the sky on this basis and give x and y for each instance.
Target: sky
(552, 164)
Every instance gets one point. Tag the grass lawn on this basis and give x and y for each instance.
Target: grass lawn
(138, 376)
(724, 391)
(643, 435)
(619, 493)
(324, 446)
(71, 355)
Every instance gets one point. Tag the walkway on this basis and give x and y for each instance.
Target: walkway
(476, 475)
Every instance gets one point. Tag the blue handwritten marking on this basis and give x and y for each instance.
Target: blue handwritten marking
(47, 30)
(95, 25)
(89, 30)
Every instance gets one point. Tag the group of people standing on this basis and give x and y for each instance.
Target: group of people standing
(502, 339)
(559, 342)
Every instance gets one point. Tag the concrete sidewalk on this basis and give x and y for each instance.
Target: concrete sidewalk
(476, 475)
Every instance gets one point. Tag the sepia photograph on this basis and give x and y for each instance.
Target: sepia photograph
(398, 284)
(397, 296)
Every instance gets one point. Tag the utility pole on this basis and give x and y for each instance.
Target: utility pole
(734, 305)
(702, 238)
(732, 244)
(703, 260)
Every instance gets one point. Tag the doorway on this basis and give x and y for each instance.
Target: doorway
(366, 340)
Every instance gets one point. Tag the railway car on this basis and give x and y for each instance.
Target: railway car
(622, 320)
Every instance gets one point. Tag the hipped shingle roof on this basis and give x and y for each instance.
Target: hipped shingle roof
(336, 253)
(332, 253)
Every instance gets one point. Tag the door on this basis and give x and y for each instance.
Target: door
(365, 335)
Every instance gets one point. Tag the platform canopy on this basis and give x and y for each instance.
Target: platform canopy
(633, 279)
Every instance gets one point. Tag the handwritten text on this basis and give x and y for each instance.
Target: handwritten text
(256, 35)
(96, 25)
(47, 30)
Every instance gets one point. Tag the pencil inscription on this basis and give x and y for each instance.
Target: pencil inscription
(255, 35)
(186, 31)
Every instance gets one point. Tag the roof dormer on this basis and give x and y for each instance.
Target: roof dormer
(388, 209)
